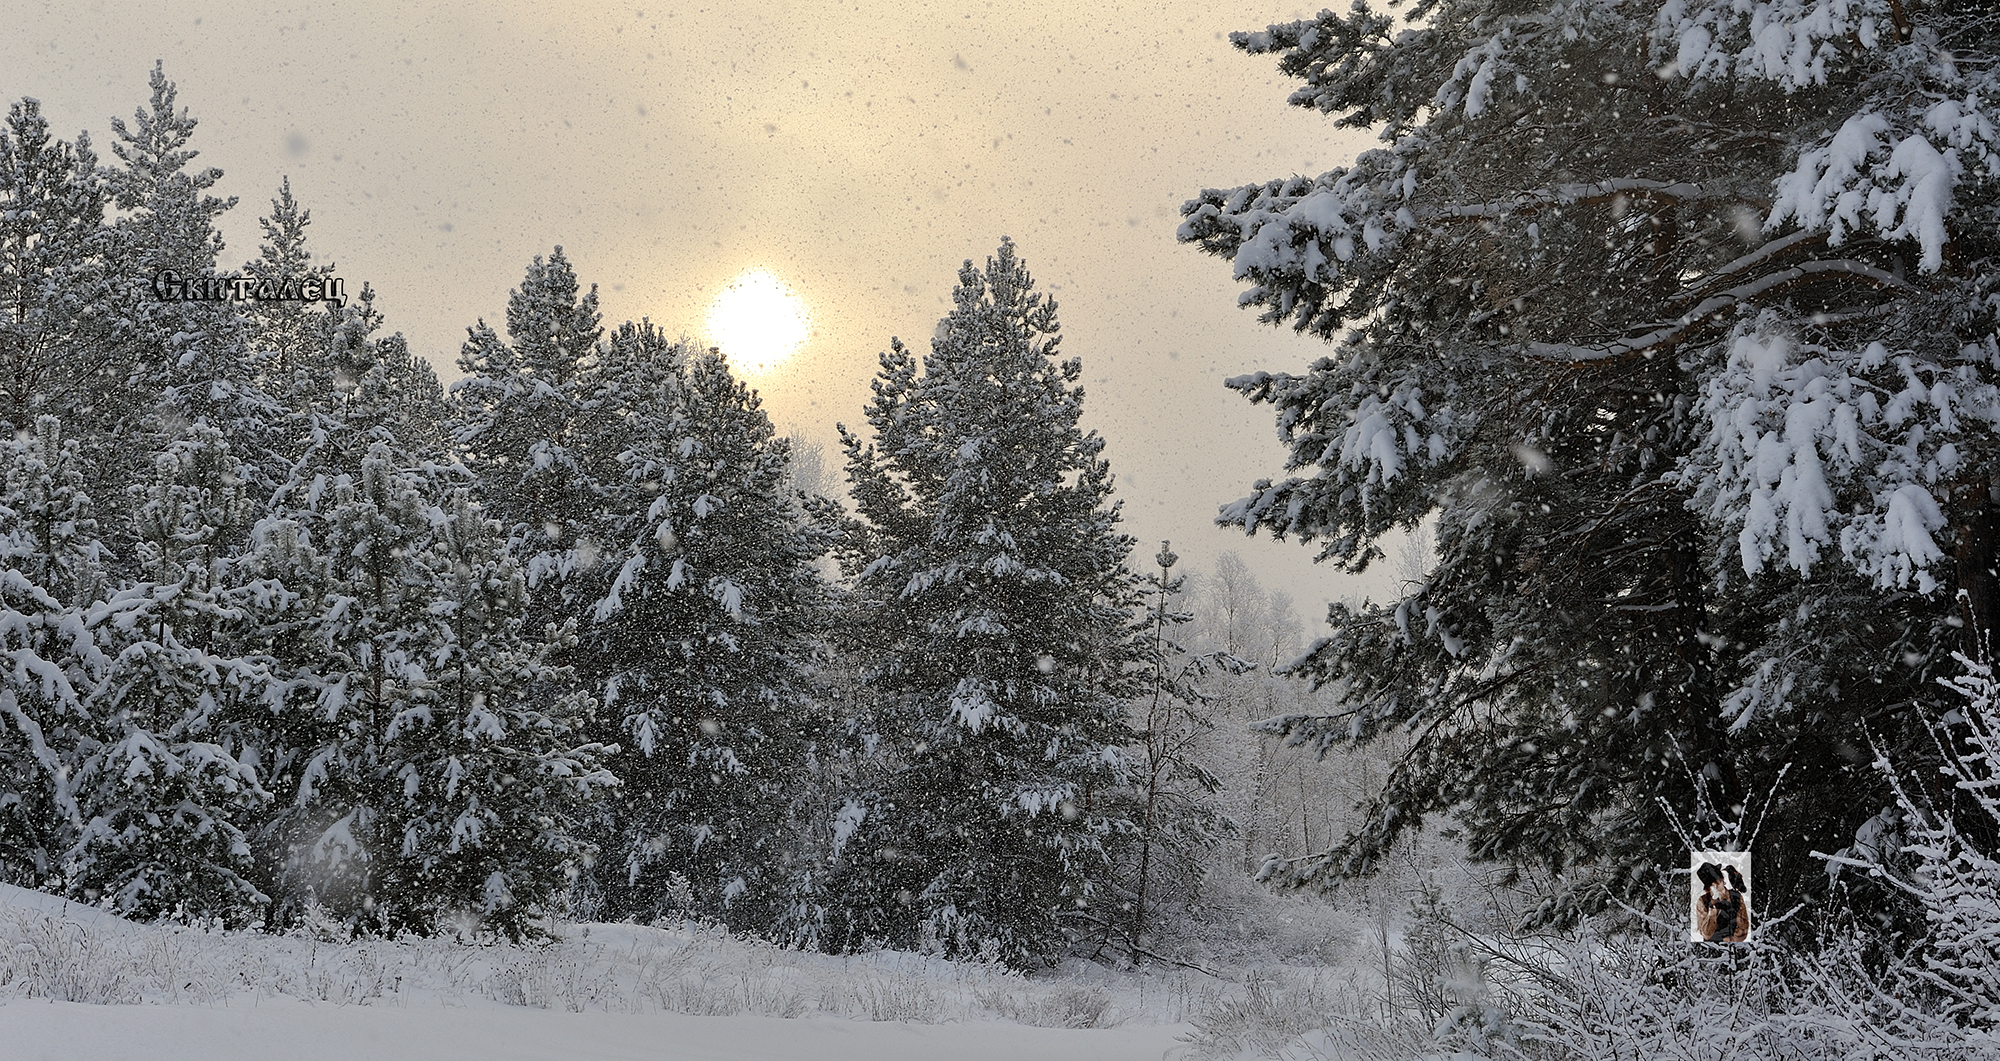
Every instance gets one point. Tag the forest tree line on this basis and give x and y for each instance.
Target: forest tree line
(296, 632)
(1676, 323)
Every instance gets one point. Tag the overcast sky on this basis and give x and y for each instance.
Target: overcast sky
(859, 152)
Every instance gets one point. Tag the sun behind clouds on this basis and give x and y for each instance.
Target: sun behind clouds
(758, 322)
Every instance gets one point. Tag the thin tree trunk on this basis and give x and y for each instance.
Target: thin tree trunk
(1708, 753)
(1977, 530)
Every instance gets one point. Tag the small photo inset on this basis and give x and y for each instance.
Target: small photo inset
(1719, 896)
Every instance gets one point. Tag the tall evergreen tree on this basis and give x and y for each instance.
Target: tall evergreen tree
(164, 787)
(58, 353)
(192, 360)
(290, 338)
(49, 559)
(436, 768)
(517, 417)
(1679, 316)
(495, 764)
(703, 641)
(996, 610)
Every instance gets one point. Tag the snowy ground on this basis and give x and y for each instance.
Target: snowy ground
(265, 1029)
(76, 984)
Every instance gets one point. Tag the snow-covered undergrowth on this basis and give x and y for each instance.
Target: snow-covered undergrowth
(63, 952)
(1425, 994)
(1628, 997)
(1654, 996)
(1296, 1014)
(1326, 985)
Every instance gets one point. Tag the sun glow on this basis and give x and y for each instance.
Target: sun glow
(758, 322)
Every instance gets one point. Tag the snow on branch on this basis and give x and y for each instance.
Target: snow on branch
(1789, 42)
(1298, 239)
(1867, 174)
(1808, 447)
(1763, 254)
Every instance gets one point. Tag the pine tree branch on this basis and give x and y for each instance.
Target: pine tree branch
(1598, 192)
(1709, 307)
(1756, 257)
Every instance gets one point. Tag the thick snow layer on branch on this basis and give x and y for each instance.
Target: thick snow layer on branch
(1786, 41)
(1304, 234)
(1809, 446)
(1472, 80)
(1893, 166)
(972, 705)
(1858, 180)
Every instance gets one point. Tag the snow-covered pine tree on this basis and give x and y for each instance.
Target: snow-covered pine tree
(284, 594)
(1680, 316)
(58, 350)
(290, 338)
(340, 560)
(49, 570)
(164, 788)
(48, 490)
(435, 768)
(704, 640)
(414, 410)
(515, 419)
(372, 522)
(288, 592)
(621, 399)
(995, 611)
(496, 770)
(192, 360)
